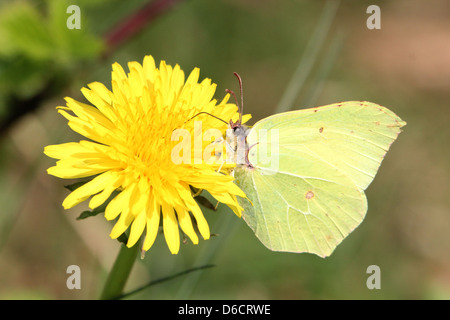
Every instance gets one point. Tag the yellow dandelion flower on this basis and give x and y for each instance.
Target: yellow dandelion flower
(131, 147)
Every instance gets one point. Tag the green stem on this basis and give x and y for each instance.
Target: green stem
(119, 273)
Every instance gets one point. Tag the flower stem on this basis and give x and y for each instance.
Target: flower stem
(119, 273)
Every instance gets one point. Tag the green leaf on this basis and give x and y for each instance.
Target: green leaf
(87, 214)
(76, 185)
(123, 238)
(24, 31)
(71, 44)
(201, 200)
(99, 209)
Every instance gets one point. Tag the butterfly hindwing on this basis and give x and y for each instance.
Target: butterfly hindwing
(301, 214)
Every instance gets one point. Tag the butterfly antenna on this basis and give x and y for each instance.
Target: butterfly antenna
(241, 105)
(242, 97)
(203, 112)
(235, 100)
(232, 93)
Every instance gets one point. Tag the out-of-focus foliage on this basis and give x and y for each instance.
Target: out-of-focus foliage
(36, 47)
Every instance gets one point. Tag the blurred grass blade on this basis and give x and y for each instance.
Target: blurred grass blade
(309, 57)
(151, 283)
(328, 61)
(226, 225)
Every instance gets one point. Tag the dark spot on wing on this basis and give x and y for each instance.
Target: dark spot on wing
(309, 195)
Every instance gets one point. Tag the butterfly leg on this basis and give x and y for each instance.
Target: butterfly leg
(246, 154)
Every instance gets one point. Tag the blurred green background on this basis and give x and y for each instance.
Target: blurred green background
(290, 54)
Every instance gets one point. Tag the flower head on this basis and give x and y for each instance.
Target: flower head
(131, 149)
